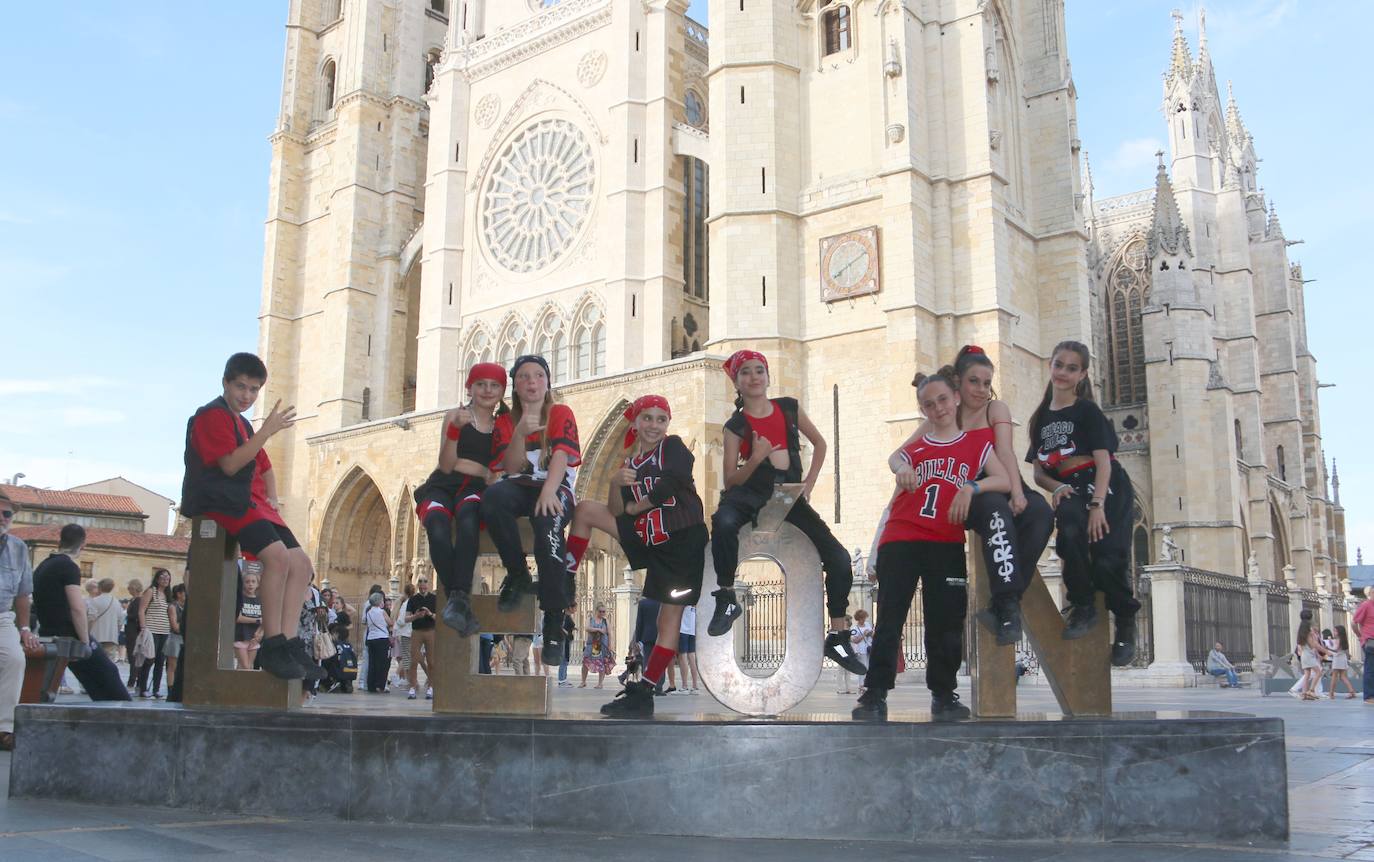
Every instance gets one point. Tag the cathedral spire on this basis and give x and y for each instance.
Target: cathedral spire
(1273, 229)
(1181, 63)
(1204, 57)
(1168, 233)
(1335, 483)
(1235, 126)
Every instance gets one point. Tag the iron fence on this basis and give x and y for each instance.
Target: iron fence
(765, 624)
(1311, 601)
(1217, 608)
(1276, 610)
(1144, 620)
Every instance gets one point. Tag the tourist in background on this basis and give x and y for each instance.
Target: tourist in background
(152, 617)
(598, 655)
(402, 628)
(176, 619)
(16, 589)
(1340, 664)
(420, 612)
(1363, 626)
(378, 639)
(1219, 665)
(61, 609)
(132, 628)
(105, 617)
(247, 621)
(1310, 651)
(687, 650)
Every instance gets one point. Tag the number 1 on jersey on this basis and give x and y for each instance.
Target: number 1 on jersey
(932, 494)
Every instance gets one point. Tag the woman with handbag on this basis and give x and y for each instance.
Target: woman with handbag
(131, 629)
(152, 612)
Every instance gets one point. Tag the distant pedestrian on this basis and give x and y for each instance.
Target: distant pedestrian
(378, 643)
(1363, 625)
(61, 610)
(1340, 664)
(598, 656)
(152, 613)
(1219, 665)
(132, 628)
(247, 623)
(105, 617)
(402, 629)
(687, 650)
(176, 618)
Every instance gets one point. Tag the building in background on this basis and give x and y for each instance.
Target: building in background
(157, 507)
(855, 188)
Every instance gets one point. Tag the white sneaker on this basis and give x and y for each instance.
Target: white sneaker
(410, 695)
(429, 693)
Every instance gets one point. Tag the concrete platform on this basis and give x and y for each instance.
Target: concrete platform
(1213, 777)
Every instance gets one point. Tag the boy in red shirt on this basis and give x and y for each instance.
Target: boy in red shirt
(229, 480)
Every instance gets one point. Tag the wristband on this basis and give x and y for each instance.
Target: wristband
(23, 629)
(1094, 504)
(1061, 487)
(974, 486)
(452, 432)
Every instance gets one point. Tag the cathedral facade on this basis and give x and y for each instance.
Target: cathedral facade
(854, 187)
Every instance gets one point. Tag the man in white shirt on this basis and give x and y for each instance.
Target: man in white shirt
(16, 597)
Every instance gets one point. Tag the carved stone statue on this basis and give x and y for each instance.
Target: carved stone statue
(1252, 568)
(1168, 548)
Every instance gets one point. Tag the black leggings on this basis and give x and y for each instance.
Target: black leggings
(1105, 564)
(739, 507)
(1010, 555)
(944, 604)
(156, 665)
(453, 545)
(506, 501)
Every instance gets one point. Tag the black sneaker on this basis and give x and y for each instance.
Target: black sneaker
(872, 706)
(274, 656)
(312, 670)
(553, 638)
(946, 707)
(1123, 645)
(839, 650)
(515, 585)
(636, 701)
(727, 611)
(1003, 618)
(1081, 620)
(457, 614)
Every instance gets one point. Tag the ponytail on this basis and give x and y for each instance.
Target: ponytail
(1084, 389)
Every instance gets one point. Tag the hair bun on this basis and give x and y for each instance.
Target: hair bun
(972, 349)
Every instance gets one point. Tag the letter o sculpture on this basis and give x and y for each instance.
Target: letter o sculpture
(784, 544)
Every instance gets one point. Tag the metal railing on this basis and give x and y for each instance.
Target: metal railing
(1217, 608)
(765, 625)
(1144, 620)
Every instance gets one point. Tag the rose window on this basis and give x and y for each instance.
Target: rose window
(538, 195)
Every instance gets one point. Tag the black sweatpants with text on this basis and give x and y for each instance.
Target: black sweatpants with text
(740, 506)
(941, 569)
(1011, 546)
(509, 500)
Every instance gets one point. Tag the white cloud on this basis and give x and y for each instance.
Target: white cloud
(80, 417)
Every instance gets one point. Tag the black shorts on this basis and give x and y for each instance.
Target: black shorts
(675, 568)
(257, 536)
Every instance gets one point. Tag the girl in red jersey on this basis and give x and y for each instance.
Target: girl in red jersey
(1073, 448)
(763, 448)
(450, 497)
(923, 539)
(1014, 527)
(657, 516)
(536, 447)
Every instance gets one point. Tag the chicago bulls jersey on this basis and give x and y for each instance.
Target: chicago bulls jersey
(942, 468)
(664, 476)
(562, 434)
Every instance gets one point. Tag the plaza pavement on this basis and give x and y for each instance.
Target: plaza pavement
(1330, 780)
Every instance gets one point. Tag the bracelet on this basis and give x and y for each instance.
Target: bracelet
(1061, 487)
(974, 486)
(452, 432)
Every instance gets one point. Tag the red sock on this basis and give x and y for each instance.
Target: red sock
(577, 546)
(659, 659)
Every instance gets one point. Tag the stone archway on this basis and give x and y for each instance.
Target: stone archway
(355, 539)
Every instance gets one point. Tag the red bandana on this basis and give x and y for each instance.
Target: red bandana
(486, 371)
(739, 357)
(642, 403)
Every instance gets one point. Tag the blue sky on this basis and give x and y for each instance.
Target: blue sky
(133, 188)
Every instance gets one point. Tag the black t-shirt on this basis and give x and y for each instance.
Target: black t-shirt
(50, 582)
(1079, 429)
(413, 606)
(473, 445)
(249, 606)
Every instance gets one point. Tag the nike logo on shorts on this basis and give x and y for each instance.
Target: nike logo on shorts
(677, 594)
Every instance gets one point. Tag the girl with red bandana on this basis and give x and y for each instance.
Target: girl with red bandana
(535, 446)
(762, 449)
(656, 514)
(449, 498)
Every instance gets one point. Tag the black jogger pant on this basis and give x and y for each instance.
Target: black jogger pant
(941, 568)
(453, 545)
(506, 501)
(739, 507)
(1105, 564)
(1011, 546)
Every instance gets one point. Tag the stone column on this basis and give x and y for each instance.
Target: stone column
(626, 604)
(1170, 666)
(1259, 615)
(1290, 579)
